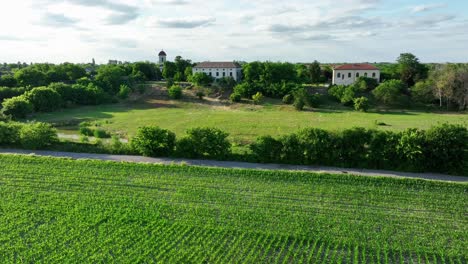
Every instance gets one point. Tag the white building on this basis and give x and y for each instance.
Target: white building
(348, 74)
(162, 59)
(219, 70)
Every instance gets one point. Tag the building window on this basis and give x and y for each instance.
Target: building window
(224, 74)
(210, 74)
(365, 74)
(230, 74)
(357, 74)
(339, 75)
(349, 75)
(373, 74)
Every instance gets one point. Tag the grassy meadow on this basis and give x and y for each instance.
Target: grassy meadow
(67, 211)
(244, 122)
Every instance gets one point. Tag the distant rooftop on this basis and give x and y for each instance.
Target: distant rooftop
(209, 64)
(357, 67)
(162, 53)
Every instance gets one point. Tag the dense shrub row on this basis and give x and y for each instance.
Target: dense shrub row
(29, 135)
(443, 148)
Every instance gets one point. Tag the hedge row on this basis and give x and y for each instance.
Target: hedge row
(29, 135)
(443, 148)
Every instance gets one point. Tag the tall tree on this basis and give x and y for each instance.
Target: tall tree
(315, 72)
(410, 69)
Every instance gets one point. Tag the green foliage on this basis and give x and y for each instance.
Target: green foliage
(299, 102)
(351, 146)
(17, 107)
(153, 141)
(89, 95)
(245, 89)
(366, 84)
(315, 72)
(8, 81)
(317, 146)
(9, 133)
(44, 99)
(266, 149)
(410, 147)
(101, 133)
(66, 92)
(235, 97)
(175, 92)
(361, 104)
(257, 98)
(204, 143)
(389, 92)
(410, 69)
(149, 71)
(201, 79)
(288, 99)
(422, 92)
(7, 92)
(30, 77)
(446, 149)
(86, 131)
(169, 70)
(109, 78)
(124, 91)
(226, 83)
(37, 136)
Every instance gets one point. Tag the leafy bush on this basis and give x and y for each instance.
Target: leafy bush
(361, 104)
(291, 151)
(204, 143)
(37, 135)
(299, 104)
(266, 149)
(44, 99)
(388, 92)
(7, 92)
(8, 80)
(257, 98)
(288, 99)
(446, 149)
(410, 148)
(175, 92)
(101, 133)
(201, 79)
(351, 146)
(235, 97)
(86, 131)
(17, 107)
(65, 91)
(124, 92)
(153, 141)
(316, 145)
(9, 133)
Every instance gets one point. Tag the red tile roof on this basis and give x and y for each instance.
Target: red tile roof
(357, 67)
(209, 64)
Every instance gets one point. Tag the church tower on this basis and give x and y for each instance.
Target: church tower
(162, 57)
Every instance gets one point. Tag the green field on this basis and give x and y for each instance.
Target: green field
(61, 211)
(244, 122)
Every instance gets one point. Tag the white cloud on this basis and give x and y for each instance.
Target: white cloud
(428, 7)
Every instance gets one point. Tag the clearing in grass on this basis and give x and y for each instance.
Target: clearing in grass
(61, 210)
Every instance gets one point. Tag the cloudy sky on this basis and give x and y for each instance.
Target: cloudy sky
(294, 30)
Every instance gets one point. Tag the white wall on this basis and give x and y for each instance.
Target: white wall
(219, 73)
(344, 78)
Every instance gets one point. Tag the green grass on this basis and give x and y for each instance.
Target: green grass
(244, 122)
(60, 211)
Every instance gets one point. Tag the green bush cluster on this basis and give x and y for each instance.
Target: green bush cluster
(175, 92)
(443, 148)
(34, 135)
(198, 143)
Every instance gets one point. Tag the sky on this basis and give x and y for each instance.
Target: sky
(244, 30)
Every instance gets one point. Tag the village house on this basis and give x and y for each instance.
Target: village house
(219, 70)
(348, 74)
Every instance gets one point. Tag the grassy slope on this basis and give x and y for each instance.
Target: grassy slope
(243, 122)
(54, 210)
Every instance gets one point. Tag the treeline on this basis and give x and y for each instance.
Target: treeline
(277, 79)
(443, 148)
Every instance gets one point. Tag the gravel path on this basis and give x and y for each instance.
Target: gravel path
(242, 165)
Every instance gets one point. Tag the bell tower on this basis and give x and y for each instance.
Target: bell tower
(162, 57)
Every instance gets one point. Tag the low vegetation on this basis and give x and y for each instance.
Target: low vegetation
(57, 210)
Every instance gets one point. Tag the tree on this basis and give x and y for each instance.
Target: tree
(30, 77)
(124, 92)
(109, 78)
(175, 92)
(149, 70)
(37, 135)
(169, 70)
(204, 142)
(422, 91)
(201, 79)
(315, 72)
(389, 91)
(8, 81)
(181, 65)
(410, 69)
